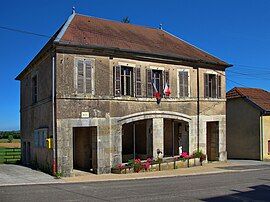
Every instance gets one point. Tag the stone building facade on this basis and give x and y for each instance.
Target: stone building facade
(90, 90)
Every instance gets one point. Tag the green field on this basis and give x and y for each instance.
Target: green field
(10, 155)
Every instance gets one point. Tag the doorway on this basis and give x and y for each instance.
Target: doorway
(176, 137)
(83, 148)
(212, 140)
(135, 141)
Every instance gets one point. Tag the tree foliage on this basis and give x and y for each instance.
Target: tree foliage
(126, 20)
(7, 134)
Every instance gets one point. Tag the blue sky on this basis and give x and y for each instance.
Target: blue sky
(236, 31)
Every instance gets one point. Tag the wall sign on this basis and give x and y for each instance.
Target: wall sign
(85, 114)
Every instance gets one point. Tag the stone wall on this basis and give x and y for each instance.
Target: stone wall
(108, 113)
(36, 115)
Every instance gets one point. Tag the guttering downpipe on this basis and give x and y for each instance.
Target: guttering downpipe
(54, 169)
(261, 137)
(198, 110)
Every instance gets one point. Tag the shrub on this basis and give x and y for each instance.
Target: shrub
(137, 166)
(147, 164)
(199, 154)
(58, 175)
(10, 138)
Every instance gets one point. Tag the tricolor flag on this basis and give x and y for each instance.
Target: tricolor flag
(167, 90)
(157, 94)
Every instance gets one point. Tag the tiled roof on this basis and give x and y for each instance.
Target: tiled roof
(96, 32)
(259, 97)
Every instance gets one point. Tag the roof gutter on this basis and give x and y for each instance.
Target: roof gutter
(113, 50)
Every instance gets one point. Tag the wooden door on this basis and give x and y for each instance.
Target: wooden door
(212, 141)
(82, 148)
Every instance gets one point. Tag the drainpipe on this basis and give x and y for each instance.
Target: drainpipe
(198, 109)
(261, 137)
(53, 116)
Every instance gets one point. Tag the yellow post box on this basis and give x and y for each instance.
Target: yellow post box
(49, 143)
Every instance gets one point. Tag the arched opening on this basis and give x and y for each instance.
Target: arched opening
(176, 137)
(136, 140)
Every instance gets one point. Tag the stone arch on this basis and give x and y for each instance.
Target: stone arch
(154, 114)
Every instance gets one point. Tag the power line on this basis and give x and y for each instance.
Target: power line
(24, 32)
(86, 30)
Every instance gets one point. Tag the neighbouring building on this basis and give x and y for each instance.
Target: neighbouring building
(90, 90)
(248, 123)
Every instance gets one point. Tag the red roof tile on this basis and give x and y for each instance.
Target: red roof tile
(259, 97)
(84, 30)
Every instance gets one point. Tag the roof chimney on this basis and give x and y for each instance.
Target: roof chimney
(160, 26)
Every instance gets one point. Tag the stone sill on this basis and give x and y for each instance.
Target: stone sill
(138, 99)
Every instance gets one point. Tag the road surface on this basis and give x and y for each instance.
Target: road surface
(249, 185)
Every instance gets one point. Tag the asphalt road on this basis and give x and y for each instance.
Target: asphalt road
(250, 185)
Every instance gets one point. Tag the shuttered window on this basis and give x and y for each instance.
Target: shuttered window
(84, 76)
(149, 86)
(166, 77)
(124, 83)
(117, 81)
(138, 82)
(219, 86)
(155, 77)
(183, 83)
(212, 86)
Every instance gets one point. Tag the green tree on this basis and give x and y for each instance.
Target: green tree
(10, 138)
(126, 20)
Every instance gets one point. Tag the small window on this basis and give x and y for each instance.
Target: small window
(183, 89)
(34, 89)
(40, 136)
(84, 76)
(212, 86)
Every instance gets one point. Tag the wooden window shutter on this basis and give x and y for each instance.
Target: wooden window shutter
(181, 84)
(80, 77)
(167, 77)
(185, 84)
(219, 86)
(206, 85)
(214, 87)
(149, 87)
(138, 82)
(117, 81)
(88, 76)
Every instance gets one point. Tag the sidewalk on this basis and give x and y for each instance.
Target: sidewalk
(208, 168)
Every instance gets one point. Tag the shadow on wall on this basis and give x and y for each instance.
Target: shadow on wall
(258, 193)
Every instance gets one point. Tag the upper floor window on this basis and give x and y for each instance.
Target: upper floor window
(127, 81)
(156, 80)
(34, 89)
(183, 85)
(84, 76)
(212, 86)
